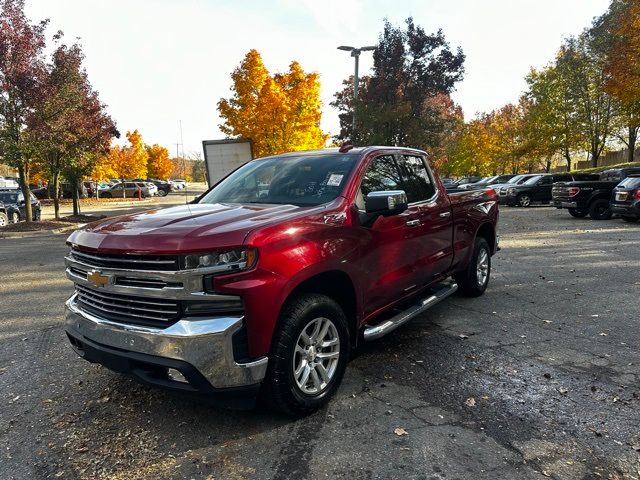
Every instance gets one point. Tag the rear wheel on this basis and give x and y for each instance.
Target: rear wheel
(599, 210)
(15, 217)
(574, 212)
(630, 219)
(524, 200)
(473, 281)
(308, 356)
(162, 193)
(4, 220)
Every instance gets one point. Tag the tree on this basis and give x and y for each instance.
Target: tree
(70, 126)
(159, 164)
(126, 162)
(22, 70)
(398, 104)
(277, 113)
(620, 27)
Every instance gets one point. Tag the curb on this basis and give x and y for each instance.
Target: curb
(42, 233)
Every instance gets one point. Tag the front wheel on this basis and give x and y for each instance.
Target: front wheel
(574, 212)
(308, 356)
(599, 210)
(473, 281)
(162, 193)
(4, 220)
(524, 200)
(15, 217)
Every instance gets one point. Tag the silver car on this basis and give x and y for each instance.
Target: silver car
(130, 190)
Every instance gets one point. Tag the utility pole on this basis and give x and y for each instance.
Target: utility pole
(355, 53)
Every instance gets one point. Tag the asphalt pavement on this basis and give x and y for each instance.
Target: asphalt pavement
(538, 378)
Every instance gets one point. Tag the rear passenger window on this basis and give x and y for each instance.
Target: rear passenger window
(416, 180)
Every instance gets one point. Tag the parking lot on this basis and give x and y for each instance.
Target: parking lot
(538, 378)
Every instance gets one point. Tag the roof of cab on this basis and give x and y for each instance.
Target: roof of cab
(352, 151)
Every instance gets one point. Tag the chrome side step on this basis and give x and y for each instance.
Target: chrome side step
(439, 293)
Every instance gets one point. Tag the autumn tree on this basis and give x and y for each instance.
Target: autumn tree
(620, 29)
(159, 164)
(129, 161)
(401, 102)
(278, 113)
(22, 70)
(70, 126)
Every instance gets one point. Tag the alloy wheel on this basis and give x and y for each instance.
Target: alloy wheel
(482, 267)
(316, 356)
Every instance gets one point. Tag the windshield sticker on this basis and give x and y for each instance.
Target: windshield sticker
(334, 180)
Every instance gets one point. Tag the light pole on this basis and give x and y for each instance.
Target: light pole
(355, 53)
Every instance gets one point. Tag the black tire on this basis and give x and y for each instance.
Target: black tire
(162, 193)
(524, 200)
(4, 220)
(630, 219)
(468, 282)
(106, 195)
(599, 210)
(574, 212)
(14, 217)
(280, 388)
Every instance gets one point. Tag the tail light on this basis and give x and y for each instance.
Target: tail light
(637, 194)
(573, 191)
(491, 193)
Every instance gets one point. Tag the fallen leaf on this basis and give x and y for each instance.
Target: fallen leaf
(470, 402)
(400, 432)
(463, 336)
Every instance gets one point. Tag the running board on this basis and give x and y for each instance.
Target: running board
(439, 293)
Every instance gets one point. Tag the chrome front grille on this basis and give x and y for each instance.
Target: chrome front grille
(127, 308)
(130, 262)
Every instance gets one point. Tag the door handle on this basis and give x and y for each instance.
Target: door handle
(445, 214)
(413, 223)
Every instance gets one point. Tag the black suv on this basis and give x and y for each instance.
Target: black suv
(625, 200)
(537, 189)
(591, 197)
(14, 205)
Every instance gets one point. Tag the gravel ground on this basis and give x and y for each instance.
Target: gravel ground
(538, 378)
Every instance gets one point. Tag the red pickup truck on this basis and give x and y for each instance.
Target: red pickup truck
(266, 282)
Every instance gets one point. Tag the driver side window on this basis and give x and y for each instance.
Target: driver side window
(381, 174)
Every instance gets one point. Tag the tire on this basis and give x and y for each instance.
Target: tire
(106, 195)
(471, 282)
(524, 200)
(14, 217)
(37, 216)
(574, 212)
(302, 394)
(162, 193)
(630, 219)
(599, 210)
(4, 220)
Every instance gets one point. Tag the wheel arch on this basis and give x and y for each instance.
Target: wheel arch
(488, 232)
(337, 285)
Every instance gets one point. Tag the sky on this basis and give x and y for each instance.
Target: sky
(157, 63)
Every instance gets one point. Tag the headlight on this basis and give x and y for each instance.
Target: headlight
(229, 260)
(511, 191)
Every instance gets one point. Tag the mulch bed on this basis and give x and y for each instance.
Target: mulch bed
(50, 224)
(93, 201)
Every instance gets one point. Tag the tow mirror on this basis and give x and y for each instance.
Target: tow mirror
(386, 203)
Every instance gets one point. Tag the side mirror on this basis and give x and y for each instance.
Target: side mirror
(386, 203)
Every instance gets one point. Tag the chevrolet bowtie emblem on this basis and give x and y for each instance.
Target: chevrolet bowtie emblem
(97, 279)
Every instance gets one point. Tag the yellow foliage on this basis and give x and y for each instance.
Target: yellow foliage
(159, 165)
(278, 113)
(124, 162)
(623, 64)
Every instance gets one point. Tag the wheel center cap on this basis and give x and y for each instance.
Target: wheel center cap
(311, 353)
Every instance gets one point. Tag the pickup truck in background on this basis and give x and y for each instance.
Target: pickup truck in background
(537, 189)
(266, 282)
(591, 197)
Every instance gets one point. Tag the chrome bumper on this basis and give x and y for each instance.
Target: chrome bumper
(204, 343)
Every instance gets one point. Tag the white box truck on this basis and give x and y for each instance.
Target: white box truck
(221, 157)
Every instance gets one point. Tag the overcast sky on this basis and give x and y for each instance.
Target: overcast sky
(156, 62)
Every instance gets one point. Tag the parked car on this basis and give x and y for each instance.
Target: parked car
(179, 184)
(486, 182)
(164, 188)
(469, 179)
(536, 189)
(91, 188)
(131, 190)
(625, 200)
(501, 188)
(8, 182)
(4, 218)
(66, 191)
(590, 196)
(272, 276)
(14, 205)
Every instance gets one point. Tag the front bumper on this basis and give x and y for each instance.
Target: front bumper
(201, 349)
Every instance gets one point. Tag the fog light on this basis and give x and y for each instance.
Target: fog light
(176, 376)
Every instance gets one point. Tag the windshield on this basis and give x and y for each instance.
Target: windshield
(630, 182)
(533, 180)
(304, 180)
(8, 197)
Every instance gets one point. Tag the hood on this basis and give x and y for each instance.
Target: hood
(182, 229)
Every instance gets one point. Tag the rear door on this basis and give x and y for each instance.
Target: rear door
(542, 190)
(432, 218)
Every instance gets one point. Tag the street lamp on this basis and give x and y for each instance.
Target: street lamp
(355, 53)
